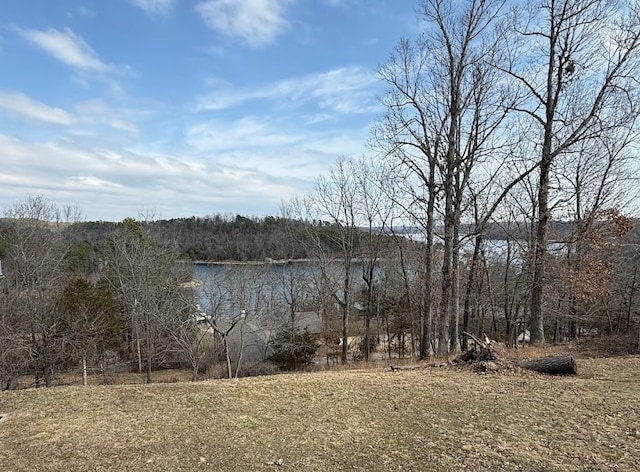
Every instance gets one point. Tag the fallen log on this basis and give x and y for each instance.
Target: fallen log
(553, 365)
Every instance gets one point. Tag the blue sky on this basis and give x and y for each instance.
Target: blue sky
(183, 108)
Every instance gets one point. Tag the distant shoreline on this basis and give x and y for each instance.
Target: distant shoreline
(265, 262)
(276, 261)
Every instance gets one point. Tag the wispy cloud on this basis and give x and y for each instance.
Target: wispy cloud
(67, 47)
(124, 126)
(337, 3)
(271, 144)
(344, 90)
(99, 123)
(160, 8)
(247, 132)
(81, 11)
(122, 183)
(20, 104)
(258, 22)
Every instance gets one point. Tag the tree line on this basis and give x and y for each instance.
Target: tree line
(217, 237)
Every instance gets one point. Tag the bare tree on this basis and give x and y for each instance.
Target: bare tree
(334, 200)
(576, 64)
(442, 114)
(596, 183)
(190, 336)
(411, 134)
(237, 308)
(374, 210)
(321, 276)
(146, 278)
(34, 265)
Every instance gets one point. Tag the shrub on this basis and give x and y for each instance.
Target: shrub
(293, 350)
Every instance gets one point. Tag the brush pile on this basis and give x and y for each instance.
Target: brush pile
(483, 358)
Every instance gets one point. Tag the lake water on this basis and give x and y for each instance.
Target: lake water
(228, 288)
(257, 287)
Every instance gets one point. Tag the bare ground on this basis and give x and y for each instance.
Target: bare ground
(374, 420)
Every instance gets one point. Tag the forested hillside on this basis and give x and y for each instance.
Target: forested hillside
(226, 238)
(220, 238)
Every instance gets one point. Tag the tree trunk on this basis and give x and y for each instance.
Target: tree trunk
(239, 363)
(346, 288)
(554, 365)
(471, 282)
(345, 338)
(444, 313)
(148, 348)
(454, 328)
(540, 249)
(426, 313)
(138, 349)
(226, 353)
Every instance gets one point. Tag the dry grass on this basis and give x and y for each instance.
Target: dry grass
(375, 420)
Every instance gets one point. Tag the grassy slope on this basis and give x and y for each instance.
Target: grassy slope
(428, 419)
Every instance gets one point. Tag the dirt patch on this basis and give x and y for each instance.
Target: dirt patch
(4, 417)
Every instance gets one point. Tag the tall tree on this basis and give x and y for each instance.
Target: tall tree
(334, 200)
(442, 112)
(576, 63)
(146, 278)
(35, 275)
(374, 210)
(596, 182)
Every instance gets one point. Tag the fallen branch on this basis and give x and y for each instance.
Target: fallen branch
(476, 340)
(395, 368)
(480, 351)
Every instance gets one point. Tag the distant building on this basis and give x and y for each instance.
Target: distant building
(524, 337)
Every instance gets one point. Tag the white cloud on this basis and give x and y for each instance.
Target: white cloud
(20, 104)
(66, 47)
(258, 22)
(337, 3)
(92, 181)
(102, 122)
(154, 7)
(124, 126)
(272, 146)
(248, 132)
(111, 184)
(81, 11)
(344, 90)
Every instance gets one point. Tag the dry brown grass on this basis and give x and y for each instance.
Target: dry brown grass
(375, 420)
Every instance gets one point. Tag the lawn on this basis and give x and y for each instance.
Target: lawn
(428, 419)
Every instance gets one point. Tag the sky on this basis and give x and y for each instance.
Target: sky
(174, 108)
